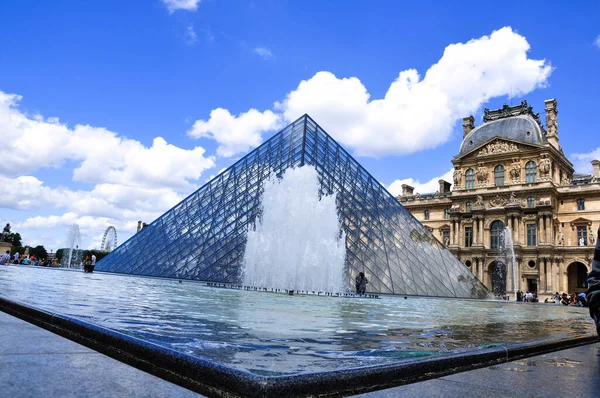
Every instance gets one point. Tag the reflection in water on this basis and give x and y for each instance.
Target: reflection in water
(273, 334)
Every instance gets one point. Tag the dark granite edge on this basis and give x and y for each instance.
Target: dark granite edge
(212, 379)
(196, 374)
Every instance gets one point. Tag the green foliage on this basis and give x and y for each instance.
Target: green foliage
(19, 249)
(38, 251)
(64, 252)
(15, 238)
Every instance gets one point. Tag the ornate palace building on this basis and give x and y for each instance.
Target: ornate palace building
(510, 171)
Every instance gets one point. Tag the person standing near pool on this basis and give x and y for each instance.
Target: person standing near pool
(593, 294)
(5, 258)
(362, 283)
(93, 264)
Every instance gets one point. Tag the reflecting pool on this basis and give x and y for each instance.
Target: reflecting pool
(276, 334)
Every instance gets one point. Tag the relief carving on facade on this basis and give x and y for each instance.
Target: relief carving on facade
(545, 166)
(513, 200)
(482, 174)
(561, 239)
(479, 201)
(496, 147)
(515, 171)
(498, 201)
(457, 177)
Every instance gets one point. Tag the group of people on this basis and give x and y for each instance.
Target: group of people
(529, 297)
(574, 299)
(5, 259)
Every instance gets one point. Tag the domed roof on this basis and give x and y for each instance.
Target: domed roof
(523, 128)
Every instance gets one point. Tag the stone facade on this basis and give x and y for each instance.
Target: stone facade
(526, 184)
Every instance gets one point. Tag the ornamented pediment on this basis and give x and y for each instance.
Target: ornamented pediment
(581, 221)
(498, 146)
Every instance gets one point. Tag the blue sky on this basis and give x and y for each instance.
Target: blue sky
(113, 111)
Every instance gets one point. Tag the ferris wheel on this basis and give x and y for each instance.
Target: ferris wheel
(109, 240)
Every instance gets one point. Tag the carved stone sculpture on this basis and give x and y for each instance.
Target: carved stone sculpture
(498, 201)
(569, 242)
(581, 242)
(515, 171)
(545, 166)
(479, 201)
(498, 147)
(513, 199)
(482, 174)
(457, 178)
(591, 238)
(561, 239)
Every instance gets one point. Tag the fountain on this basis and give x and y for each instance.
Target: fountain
(73, 243)
(508, 256)
(296, 244)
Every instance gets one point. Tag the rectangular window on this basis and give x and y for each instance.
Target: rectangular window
(426, 214)
(581, 236)
(531, 234)
(580, 204)
(468, 236)
(446, 237)
(446, 213)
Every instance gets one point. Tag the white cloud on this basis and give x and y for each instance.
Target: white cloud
(190, 36)
(263, 52)
(418, 113)
(235, 134)
(431, 186)
(101, 156)
(187, 5)
(597, 41)
(582, 161)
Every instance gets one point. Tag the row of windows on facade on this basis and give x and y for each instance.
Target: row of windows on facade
(530, 175)
(530, 204)
(497, 236)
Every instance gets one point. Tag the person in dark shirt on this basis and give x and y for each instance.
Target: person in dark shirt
(593, 294)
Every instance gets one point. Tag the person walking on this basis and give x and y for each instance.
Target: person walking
(593, 293)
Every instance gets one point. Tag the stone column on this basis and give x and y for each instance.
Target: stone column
(549, 274)
(562, 278)
(475, 230)
(481, 232)
(539, 234)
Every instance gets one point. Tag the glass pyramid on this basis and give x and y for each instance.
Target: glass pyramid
(204, 236)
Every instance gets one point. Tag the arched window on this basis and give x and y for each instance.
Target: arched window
(468, 206)
(470, 179)
(495, 233)
(531, 202)
(499, 175)
(530, 172)
(580, 204)
(426, 214)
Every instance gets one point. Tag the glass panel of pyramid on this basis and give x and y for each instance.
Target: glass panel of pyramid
(204, 236)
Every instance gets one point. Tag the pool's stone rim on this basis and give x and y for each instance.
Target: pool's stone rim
(213, 379)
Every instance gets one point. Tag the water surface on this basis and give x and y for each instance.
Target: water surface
(273, 334)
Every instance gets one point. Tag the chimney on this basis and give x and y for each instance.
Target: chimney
(468, 125)
(139, 227)
(407, 190)
(552, 122)
(444, 186)
(596, 168)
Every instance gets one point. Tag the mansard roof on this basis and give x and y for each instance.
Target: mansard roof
(517, 123)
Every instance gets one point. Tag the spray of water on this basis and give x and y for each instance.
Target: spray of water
(509, 255)
(73, 259)
(296, 243)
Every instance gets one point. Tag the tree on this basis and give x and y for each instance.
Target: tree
(15, 238)
(38, 251)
